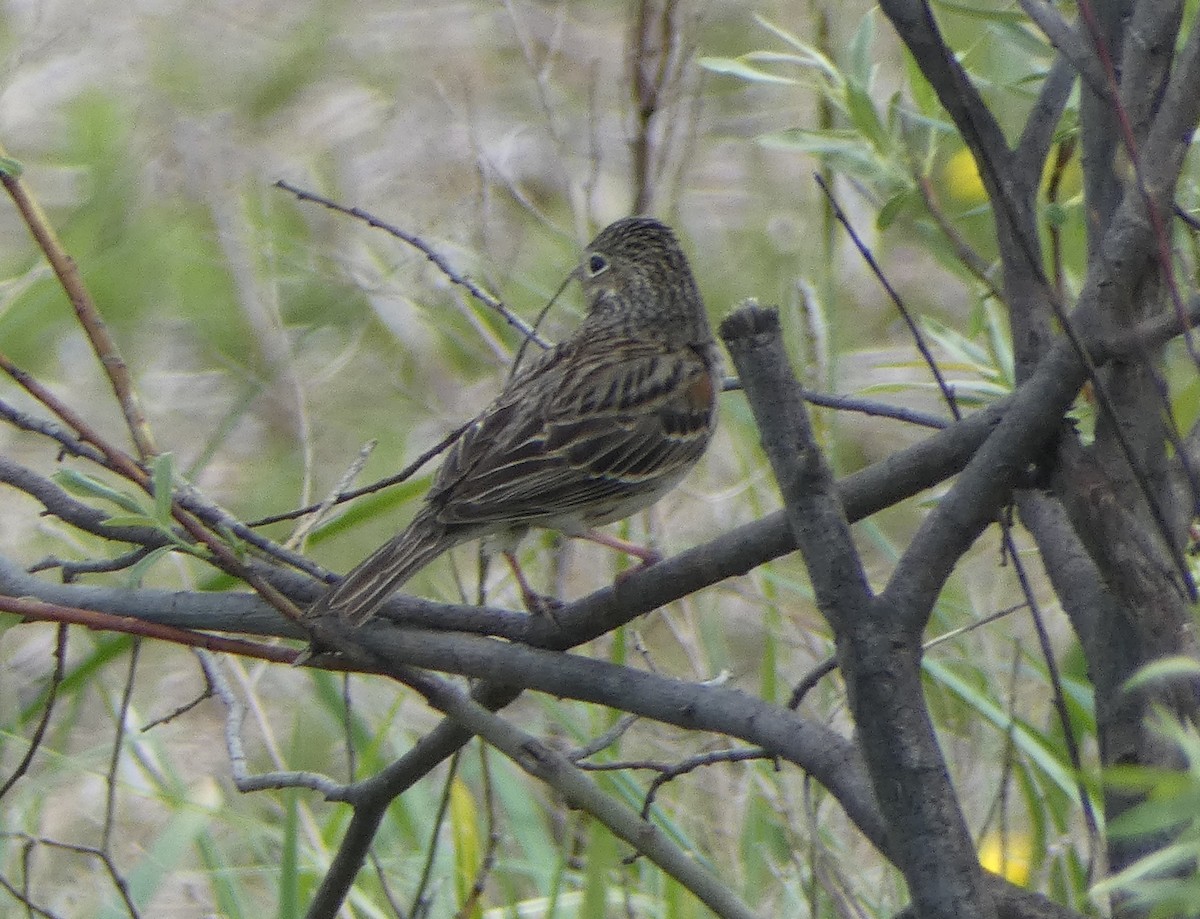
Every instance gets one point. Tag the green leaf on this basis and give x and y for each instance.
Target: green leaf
(1164, 670)
(10, 168)
(780, 32)
(813, 58)
(1056, 215)
(990, 12)
(468, 848)
(865, 117)
(289, 862)
(87, 487)
(143, 565)
(601, 860)
(162, 481)
(846, 151)
(1024, 737)
(1000, 342)
(892, 209)
(861, 64)
(739, 67)
(132, 520)
(1167, 809)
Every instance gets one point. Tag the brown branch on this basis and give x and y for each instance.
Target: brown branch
(40, 611)
(85, 309)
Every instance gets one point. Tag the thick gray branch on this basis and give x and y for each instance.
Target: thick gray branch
(880, 658)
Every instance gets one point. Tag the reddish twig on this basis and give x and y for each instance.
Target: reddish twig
(41, 611)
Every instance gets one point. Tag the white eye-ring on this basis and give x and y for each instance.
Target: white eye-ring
(596, 264)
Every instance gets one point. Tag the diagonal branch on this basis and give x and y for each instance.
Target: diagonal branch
(578, 790)
(89, 316)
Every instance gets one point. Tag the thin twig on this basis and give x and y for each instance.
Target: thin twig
(551, 767)
(30, 907)
(967, 256)
(40, 611)
(1059, 700)
(420, 899)
(68, 445)
(859, 405)
(1166, 262)
(696, 762)
(235, 715)
(110, 778)
(322, 508)
(827, 666)
(607, 739)
(70, 570)
(85, 309)
(1066, 150)
(427, 250)
(35, 741)
(179, 710)
(405, 473)
(119, 461)
(470, 902)
(92, 852)
(918, 339)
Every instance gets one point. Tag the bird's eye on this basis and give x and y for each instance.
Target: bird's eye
(596, 264)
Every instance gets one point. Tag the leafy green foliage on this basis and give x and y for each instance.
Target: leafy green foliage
(1163, 882)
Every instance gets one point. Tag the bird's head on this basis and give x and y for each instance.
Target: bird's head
(635, 271)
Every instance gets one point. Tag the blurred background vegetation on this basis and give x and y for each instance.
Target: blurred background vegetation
(271, 339)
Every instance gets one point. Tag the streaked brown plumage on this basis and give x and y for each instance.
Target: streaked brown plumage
(591, 431)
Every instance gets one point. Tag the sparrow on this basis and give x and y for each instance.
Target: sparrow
(590, 431)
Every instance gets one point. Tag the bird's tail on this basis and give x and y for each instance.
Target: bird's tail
(384, 571)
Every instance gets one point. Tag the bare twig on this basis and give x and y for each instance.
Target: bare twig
(235, 714)
(918, 339)
(121, 462)
(551, 767)
(861, 406)
(655, 64)
(470, 902)
(693, 763)
(40, 611)
(607, 739)
(429, 252)
(323, 507)
(404, 474)
(967, 256)
(68, 445)
(180, 710)
(1066, 38)
(1059, 700)
(100, 855)
(420, 899)
(85, 309)
(35, 741)
(31, 908)
(110, 778)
